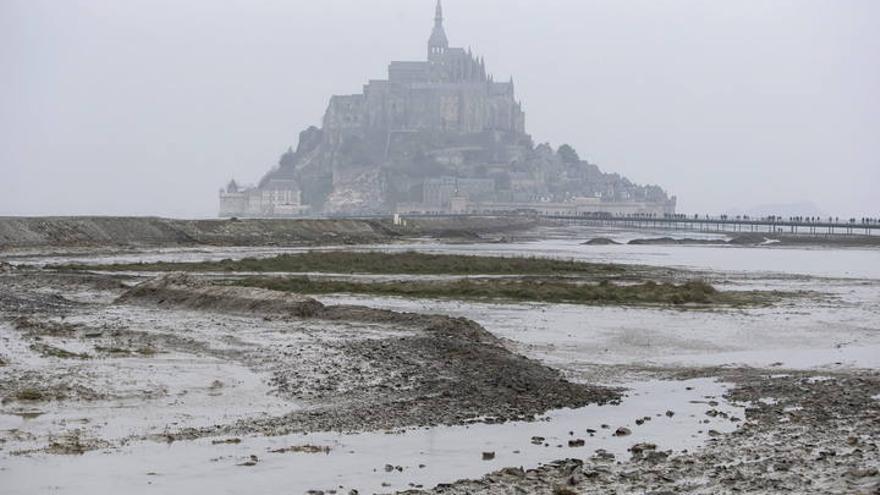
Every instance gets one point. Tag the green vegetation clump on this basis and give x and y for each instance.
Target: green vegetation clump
(556, 291)
(525, 278)
(308, 449)
(380, 263)
(112, 350)
(30, 394)
(52, 351)
(123, 351)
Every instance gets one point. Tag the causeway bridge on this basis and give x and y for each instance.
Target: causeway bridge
(722, 224)
(808, 226)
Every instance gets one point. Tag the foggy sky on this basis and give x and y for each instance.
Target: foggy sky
(147, 107)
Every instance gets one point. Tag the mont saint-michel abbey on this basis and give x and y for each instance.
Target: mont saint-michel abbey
(438, 136)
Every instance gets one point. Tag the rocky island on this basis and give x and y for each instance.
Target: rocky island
(438, 136)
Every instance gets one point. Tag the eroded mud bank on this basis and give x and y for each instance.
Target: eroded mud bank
(342, 368)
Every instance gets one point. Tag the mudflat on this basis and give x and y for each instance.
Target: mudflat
(206, 374)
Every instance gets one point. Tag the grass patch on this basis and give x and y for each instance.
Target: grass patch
(112, 350)
(307, 449)
(555, 291)
(46, 350)
(30, 394)
(381, 263)
(45, 327)
(146, 351)
(122, 351)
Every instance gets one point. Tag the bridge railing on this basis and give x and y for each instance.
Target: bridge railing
(813, 226)
(717, 223)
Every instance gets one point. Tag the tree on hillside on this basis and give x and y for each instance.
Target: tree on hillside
(568, 155)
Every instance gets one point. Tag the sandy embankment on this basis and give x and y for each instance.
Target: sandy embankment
(107, 232)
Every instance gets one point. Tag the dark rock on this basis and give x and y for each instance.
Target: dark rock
(641, 447)
(622, 432)
(514, 472)
(600, 241)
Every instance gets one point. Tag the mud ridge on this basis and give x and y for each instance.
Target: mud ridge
(184, 291)
(443, 370)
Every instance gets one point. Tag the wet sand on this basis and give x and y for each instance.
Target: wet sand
(144, 395)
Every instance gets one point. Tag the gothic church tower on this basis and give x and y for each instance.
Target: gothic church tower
(438, 43)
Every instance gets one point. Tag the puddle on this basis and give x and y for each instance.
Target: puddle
(358, 461)
(179, 404)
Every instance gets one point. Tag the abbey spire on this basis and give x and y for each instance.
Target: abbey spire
(438, 43)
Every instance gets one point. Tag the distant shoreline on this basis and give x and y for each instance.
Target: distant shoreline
(97, 232)
(752, 240)
(136, 232)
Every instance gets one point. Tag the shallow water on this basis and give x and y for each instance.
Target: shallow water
(838, 329)
(812, 261)
(154, 395)
(358, 460)
(566, 243)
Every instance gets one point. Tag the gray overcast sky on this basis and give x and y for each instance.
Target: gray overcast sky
(149, 106)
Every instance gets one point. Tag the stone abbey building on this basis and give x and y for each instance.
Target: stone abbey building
(439, 135)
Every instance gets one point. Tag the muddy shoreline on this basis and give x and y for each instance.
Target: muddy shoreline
(802, 433)
(224, 370)
(414, 370)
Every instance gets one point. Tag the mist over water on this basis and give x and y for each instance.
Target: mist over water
(147, 108)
